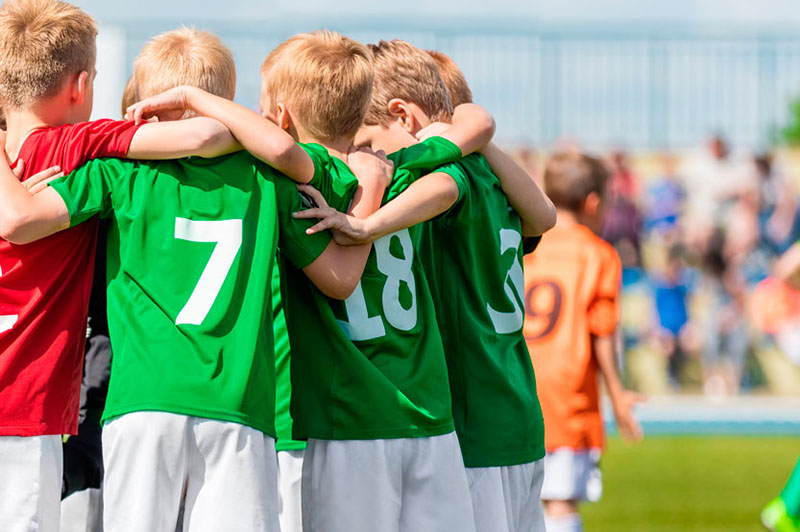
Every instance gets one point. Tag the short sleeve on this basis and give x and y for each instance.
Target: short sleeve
(332, 177)
(604, 309)
(97, 139)
(426, 156)
(87, 191)
(302, 249)
(461, 179)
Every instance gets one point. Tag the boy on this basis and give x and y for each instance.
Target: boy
(368, 376)
(572, 287)
(472, 252)
(190, 412)
(47, 54)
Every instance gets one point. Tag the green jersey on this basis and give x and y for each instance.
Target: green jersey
(190, 254)
(283, 382)
(373, 366)
(473, 257)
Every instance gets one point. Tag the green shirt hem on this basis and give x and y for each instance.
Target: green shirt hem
(504, 459)
(382, 434)
(234, 417)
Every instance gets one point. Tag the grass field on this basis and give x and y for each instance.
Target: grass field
(702, 483)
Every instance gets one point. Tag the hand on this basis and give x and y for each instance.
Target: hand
(369, 165)
(629, 427)
(38, 182)
(346, 230)
(169, 105)
(434, 129)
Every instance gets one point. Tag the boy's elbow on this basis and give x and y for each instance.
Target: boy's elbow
(340, 290)
(10, 227)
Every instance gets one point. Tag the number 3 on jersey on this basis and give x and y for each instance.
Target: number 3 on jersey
(360, 325)
(509, 322)
(6, 322)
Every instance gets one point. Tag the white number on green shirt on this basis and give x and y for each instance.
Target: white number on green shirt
(228, 236)
(513, 285)
(360, 325)
(8, 321)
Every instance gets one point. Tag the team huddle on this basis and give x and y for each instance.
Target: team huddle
(318, 315)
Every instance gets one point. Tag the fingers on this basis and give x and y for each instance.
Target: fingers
(19, 170)
(314, 194)
(40, 186)
(323, 225)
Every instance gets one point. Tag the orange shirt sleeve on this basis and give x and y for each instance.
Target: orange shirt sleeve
(604, 308)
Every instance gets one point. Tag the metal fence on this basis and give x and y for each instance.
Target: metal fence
(636, 91)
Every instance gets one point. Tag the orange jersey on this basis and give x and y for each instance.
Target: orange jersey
(572, 285)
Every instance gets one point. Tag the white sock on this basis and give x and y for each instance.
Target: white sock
(564, 523)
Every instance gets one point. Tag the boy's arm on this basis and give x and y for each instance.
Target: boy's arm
(424, 199)
(536, 211)
(25, 217)
(199, 136)
(787, 267)
(337, 271)
(258, 135)
(471, 129)
(622, 400)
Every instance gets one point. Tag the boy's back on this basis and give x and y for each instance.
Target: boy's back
(190, 263)
(571, 286)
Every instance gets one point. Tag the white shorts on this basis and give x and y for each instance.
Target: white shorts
(31, 469)
(507, 499)
(572, 476)
(290, 477)
(401, 485)
(223, 474)
(82, 511)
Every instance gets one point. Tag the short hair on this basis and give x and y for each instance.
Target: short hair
(42, 43)
(3, 120)
(406, 72)
(569, 178)
(185, 56)
(454, 81)
(128, 95)
(325, 77)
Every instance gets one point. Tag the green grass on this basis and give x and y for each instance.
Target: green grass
(702, 483)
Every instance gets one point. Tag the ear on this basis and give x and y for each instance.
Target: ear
(591, 205)
(79, 86)
(401, 112)
(284, 118)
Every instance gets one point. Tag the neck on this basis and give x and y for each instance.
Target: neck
(566, 218)
(337, 148)
(21, 123)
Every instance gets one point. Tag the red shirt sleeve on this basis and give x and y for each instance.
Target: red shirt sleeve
(101, 138)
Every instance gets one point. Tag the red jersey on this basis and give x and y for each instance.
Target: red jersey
(44, 293)
(572, 286)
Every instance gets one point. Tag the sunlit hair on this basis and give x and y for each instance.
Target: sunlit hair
(570, 177)
(185, 56)
(404, 71)
(324, 78)
(42, 44)
(128, 95)
(3, 120)
(454, 81)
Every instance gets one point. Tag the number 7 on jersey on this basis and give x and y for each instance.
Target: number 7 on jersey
(228, 236)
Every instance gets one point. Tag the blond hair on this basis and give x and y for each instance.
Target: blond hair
(42, 43)
(406, 72)
(325, 78)
(454, 81)
(185, 56)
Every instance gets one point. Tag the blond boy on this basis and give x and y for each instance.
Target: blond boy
(471, 249)
(190, 413)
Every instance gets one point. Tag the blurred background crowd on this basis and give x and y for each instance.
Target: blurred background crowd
(699, 233)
